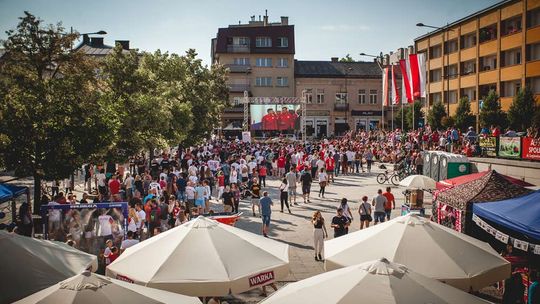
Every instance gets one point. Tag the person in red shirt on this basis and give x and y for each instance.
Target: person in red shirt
(262, 175)
(286, 120)
(270, 121)
(281, 165)
(330, 166)
(390, 203)
(114, 187)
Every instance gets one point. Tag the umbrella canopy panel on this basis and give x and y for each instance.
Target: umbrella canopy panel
(462, 261)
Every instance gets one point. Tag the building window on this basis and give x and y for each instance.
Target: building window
(511, 57)
(282, 81)
(283, 63)
(533, 52)
(263, 81)
(468, 40)
(309, 95)
(372, 96)
(362, 96)
(484, 90)
(435, 97)
(488, 33)
(435, 75)
(241, 61)
(341, 97)
(451, 46)
(320, 96)
(510, 88)
(470, 93)
(511, 26)
(263, 62)
(533, 18)
(452, 96)
(237, 101)
(451, 71)
(488, 63)
(282, 42)
(435, 51)
(240, 41)
(468, 67)
(263, 42)
(534, 84)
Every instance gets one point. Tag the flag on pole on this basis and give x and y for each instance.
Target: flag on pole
(422, 73)
(385, 86)
(395, 92)
(415, 76)
(403, 64)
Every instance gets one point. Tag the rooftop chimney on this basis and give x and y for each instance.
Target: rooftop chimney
(96, 42)
(265, 18)
(123, 43)
(334, 59)
(284, 20)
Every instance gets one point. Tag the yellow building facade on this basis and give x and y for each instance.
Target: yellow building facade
(497, 48)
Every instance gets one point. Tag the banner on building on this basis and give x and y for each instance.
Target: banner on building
(246, 137)
(531, 148)
(509, 147)
(488, 145)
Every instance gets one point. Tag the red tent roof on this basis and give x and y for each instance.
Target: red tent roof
(452, 182)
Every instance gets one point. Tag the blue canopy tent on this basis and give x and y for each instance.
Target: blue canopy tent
(520, 214)
(9, 193)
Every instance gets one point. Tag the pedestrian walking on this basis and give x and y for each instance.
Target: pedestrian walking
(340, 223)
(379, 202)
(306, 180)
(291, 182)
(323, 181)
(266, 212)
(365, 213)
(319, 234)
(390, 203)
(284, 195)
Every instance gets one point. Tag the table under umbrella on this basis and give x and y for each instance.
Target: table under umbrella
(203, 258)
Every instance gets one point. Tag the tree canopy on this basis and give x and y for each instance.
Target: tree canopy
(491, 113)
(522, 110)
(436, 114)
(464, 117)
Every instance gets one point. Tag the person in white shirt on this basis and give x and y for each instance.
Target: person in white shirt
(142, 219)
(323, 181)
(251, 165)
(55, 218)
(129, 183)
(105, 222)
(155, 185)
(128, 242)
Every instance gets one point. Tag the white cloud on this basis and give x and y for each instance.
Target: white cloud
(344, 28)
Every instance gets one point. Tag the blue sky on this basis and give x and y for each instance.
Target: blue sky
(323, 29)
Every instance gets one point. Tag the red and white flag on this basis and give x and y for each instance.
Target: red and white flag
(417, 78)
(395, 92)
(422, 73)
(385, 86)
(405, 72)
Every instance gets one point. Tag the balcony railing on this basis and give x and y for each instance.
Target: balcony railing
(237, 68)
(339, 106)
(237, 48)
(239, 87)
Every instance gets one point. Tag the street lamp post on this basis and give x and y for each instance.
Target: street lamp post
(446, 92)
(382, 101)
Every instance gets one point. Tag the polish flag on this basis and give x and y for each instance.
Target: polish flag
(422, 73)
(405, 72)
(417, 77)
(395, 92)
(385, 86)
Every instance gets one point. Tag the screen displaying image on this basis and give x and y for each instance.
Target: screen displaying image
(275, 117)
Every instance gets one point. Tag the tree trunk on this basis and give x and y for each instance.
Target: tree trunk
(37, 193)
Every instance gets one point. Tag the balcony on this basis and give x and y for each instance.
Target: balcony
(238, 87)
(339, 106)
(234, 109)
(238, 68)
(238, 48)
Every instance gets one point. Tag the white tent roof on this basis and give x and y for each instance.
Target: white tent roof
(426, 247)
(204, 258)
(419, 182)
(88, 288)
(378, 281)
(30, 265)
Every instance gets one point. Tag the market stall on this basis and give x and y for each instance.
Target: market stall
(8, 193)
(452, 207)
(456, 181)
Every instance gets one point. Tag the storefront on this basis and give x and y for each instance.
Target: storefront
(317, 124)
(366, 120)
(341, 126)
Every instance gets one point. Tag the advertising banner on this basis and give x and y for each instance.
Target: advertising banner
(510, 147)
(488, 145)
(246, 137)
(531, 148)
(276, 117)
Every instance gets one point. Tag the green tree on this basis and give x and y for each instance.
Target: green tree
(402, 112)
(464, 117)
(448, 122)
(491, 112)
(347, 58)
(522, 109)
(52, 115)
(435, 115)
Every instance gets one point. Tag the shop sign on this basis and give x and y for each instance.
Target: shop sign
(366, 113)
(510, 147)
(488, 145)
(261, 279)
(531, 148)
(317, 113)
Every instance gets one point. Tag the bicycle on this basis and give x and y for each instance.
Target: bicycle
(385, 177)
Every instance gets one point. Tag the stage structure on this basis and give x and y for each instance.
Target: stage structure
(301, 101)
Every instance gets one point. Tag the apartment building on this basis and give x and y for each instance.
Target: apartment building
(260, 59)
(96, 47)
(340, 96)
(496, 48)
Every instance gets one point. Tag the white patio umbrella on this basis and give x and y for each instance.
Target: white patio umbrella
(419, 182)
(426, 247)
(89, 288)
(203, 258)
(30, 265)
(378, 281)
